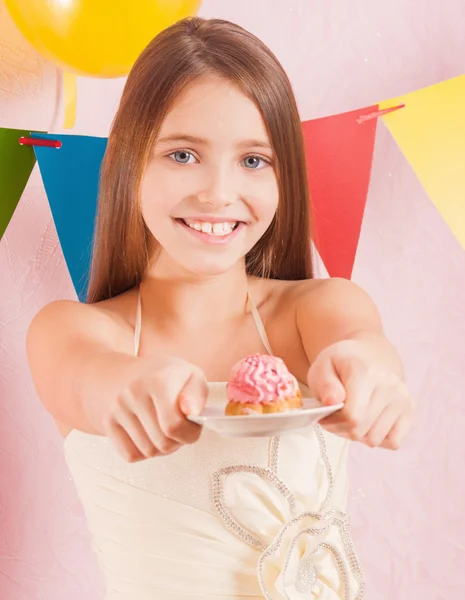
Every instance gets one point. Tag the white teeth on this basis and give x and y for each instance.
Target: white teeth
(218, 227)
(213, 228)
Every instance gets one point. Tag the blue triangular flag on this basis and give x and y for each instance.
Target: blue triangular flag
(71, 179)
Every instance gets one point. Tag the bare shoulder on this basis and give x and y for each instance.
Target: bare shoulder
(110, 321)
(331, 311)
(65, 334)
(303, 317)
(280, 298)
(337, 300)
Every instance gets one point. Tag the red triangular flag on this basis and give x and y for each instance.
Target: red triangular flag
(339, 156)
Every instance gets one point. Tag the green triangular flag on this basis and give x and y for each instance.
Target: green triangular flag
(16, 164)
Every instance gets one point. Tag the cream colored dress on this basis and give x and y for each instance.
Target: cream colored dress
(223, 518)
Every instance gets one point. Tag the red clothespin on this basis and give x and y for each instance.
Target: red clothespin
(25, 141)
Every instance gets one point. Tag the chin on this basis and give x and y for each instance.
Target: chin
(208, 268)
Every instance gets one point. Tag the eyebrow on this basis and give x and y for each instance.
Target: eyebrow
(202, 142)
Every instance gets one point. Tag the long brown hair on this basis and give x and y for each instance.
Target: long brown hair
(189, 49)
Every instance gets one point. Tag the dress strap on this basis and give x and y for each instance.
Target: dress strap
(137, 328)
(253, 308)
(259, 324)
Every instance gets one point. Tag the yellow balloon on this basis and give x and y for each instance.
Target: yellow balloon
(97, 38)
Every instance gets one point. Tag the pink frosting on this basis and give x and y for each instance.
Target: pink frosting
(261, 379)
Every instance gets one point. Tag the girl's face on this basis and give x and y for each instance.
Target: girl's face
(210, 191)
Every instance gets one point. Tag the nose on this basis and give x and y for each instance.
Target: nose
(219, 188)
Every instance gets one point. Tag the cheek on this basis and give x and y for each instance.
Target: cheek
(158, 197)
(267, 203)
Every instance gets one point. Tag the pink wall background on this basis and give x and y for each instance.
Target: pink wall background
(407, 507)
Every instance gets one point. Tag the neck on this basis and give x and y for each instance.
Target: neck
(194, 300)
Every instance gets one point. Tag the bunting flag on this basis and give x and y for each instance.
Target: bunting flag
(339, 153)
(16, 164)
(71, 176)
(430, 131)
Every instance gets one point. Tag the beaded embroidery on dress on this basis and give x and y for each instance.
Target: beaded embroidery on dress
(222, 518)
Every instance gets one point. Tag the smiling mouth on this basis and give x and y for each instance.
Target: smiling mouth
(219, 229)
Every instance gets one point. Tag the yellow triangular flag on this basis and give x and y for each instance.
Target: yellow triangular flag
(430, 130)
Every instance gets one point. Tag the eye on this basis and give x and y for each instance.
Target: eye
(182, 156)
(255, 162)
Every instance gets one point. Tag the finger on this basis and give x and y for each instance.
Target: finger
(335, 429)
(173, 420)
(175, 425)
(135, 430)
(170, 382)
(382, 426)
(373, 411)
(123, 443)
(398, 433)
(358, 390)
(193, 395)
(324, 382)
(147, 414)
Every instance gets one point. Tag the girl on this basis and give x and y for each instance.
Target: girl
(202, 257)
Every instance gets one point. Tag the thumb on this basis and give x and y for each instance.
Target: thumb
(324, 382)
(194, 394)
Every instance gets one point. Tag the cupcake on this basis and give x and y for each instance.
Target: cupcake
(262, 384)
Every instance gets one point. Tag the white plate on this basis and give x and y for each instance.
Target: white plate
(268, 425)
